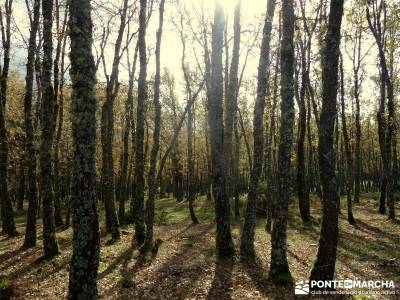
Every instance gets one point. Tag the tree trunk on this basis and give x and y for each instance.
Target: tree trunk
(191, 184)
(47, 126)
(138, 209)
(349, 157)
(86, 241)
(302, 188)
(236, 170)
(150, 204)
(247, 238)
(108, 180)
(224, 241)
(128, 128)
(21, 186)
(279, 270)
(59, 107)
(231, 101)
(30, 233)
(107, 131)
(324, 267)
(386, 128)
(6, 205)
(381, 135)
(358, 162)
(270, 170)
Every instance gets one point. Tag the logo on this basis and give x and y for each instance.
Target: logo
(302, 288)
(346, 286)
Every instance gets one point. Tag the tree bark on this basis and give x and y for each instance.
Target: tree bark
(47, 123)
(6, 205)
(358, 161)
(279, 270)
(86, 239)
(231, 102)
(107, 131)
(224, 243)
(302, 188)
(128, 128)
(349, 157)
(150, 204)
(324, 267)
(138, 209)
(247, 238)
(21, 186)
(30, 232)
(59, 107)
(375, 24)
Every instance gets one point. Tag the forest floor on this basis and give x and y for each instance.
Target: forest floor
(186, 266)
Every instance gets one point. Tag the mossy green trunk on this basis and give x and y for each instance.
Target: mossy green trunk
(47, 123)
(324, 266)
(30, 233)
(138, 207)
(86, 240)
(6, 205)
(5, 200)
(279, 270)
(150, 204)
(108, 180)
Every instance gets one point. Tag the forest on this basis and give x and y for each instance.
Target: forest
(199, 149)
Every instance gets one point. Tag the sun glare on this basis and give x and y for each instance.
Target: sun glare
(250, 7)
(228, 4)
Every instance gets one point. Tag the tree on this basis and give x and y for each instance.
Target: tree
(224, 241)
(231, 102)
(86, 242)
(324, 266)
(188, 77)
(247, 239)
(21, 185)
(270, 155)
(6, 205)
(349, 157)
(377, 25)
(58, 79)
(358, 163)
(305, 52)
(138, 209)
(129, 128)
(47, 123)
(107, 130)
(279, 270)
(30, 233)
(150, 205)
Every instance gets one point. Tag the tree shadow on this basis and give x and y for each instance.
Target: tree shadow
(126, 272)
(367, 265)
(9, 255)
(301, 260)
(221, 286)
(179, 271)
(258, 274)
(187, 228)
(121, 259)
(369, 229)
